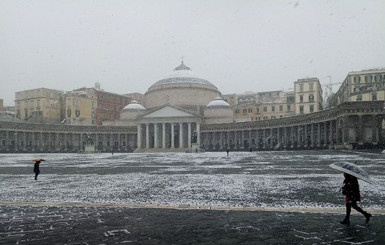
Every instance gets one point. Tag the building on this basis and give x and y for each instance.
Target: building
(1, 105)
(308, 95)
(39, 105)
(262, 105)
(80, 108)
(365, 85)
(108, 105)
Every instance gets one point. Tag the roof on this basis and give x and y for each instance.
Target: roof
(182, 75)
(218, 103)
(134, 106)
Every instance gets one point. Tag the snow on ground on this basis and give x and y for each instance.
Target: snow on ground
(272, 179)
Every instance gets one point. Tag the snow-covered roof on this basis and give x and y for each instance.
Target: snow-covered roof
(134, 105)
(182, 74)
(218, 103)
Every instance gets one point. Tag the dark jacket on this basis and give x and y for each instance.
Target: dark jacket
(351, 189)
(36, 168)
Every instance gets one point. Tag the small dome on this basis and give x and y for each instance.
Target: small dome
(135, 106)
(218, 103)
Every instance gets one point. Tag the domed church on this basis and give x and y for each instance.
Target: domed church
(174, 109)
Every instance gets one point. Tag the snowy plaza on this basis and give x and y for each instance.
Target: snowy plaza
(297, 179)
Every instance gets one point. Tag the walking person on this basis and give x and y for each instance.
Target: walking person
(351, 190)
(36, 167)
(228, 150)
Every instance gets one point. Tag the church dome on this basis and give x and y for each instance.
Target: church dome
(218, 102)
(181, 88)
(182, 75)
(134, 106)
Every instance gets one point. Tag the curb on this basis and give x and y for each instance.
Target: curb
(186, 206)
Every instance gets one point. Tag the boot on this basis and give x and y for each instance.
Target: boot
(345, 222)
(367, 217)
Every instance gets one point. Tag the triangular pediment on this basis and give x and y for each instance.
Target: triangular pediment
(168, 111)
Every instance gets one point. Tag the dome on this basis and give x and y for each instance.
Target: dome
(182, 75)
(218, 103)
(134, 105)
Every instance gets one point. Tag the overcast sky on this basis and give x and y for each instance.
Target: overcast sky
(248, 45)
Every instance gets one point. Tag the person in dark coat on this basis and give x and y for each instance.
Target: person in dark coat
(36, 167)
(351, 190)
(228, 150)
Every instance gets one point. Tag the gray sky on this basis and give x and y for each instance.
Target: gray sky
(249, 45)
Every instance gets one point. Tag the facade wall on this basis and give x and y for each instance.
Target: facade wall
(80, 109)
(308, 96)
(39, 105)
(366, 85)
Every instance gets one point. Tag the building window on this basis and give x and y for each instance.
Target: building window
(265, 109)
(311, 98)
(281, 108)
(311, 108)
(237, 111)
(311, 86)
(368, 79)
(378, 78)
(357, 79)
(265, 117)
(288, 108)
(301, 88)
(374, 96)
(301, 109)
(244, 111)
(301, 98)
(273, 108)
(257, 110)
(359, 97)
(249, 110)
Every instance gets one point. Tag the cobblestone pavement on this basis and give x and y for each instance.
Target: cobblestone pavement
(38, 224)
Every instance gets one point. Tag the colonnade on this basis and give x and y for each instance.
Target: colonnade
(167, 135)
(350, 125)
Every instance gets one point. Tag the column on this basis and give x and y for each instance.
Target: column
(292, 136)
(264, 139)
(271, 138)
(189, 135)
(198, 134)
(139, 139)
(119, 141)
(319, 135)
(278, 137)
(172, 136)
(228, 139)
(147, 136)
(257, 138)
(163, 135)
(156, 145)
(312, 135)
(325, 134)
(305, 134)
(331, 133)
(180, 135)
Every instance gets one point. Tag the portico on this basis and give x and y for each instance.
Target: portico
(167, 129)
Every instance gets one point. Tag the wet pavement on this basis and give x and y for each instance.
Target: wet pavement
(31, 224)
(247, 198)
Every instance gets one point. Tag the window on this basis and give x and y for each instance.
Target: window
(311, 86)
(368, 79)
(311, 108)
(311, 98)
(374, 96)
(359, 97)
(265, 109)
(301, 109)
(301, 98)
(273, 108)
(237, 111)
(378, 78)
(249, 110)
(244, 111)
(281, 108)
(301, 88)
(257, 110)
(265, 117)
(288, 108)
(357, 79)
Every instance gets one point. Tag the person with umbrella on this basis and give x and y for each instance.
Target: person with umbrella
(36, 167)
(351, 188)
